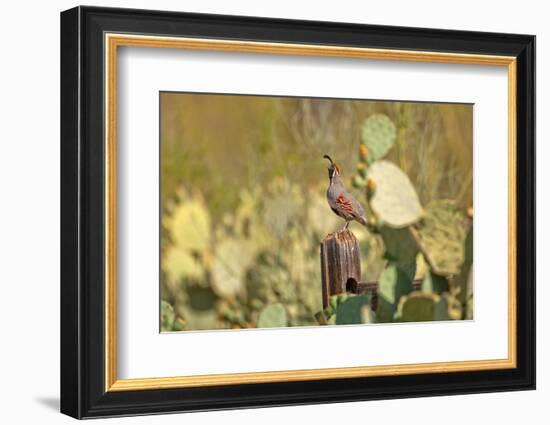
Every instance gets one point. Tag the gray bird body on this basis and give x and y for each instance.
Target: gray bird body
(341, 201)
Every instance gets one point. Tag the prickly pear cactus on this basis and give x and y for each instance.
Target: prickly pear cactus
(355, 310)
(417, 307)
(269, 281)
(198, 312)
(359, 181)
(392, 285)
(232, 258)
(189, 224)
(233, 312)
(282, 206)
(167, 316)
(448, 308)
(426, 306)
(441, 234)
(394, 200)
(328, 315)
(377, 136)
(179, 265)
(189, 228)
(401, 248)
(302, 264)
(434, 283)
(248, 224)
(273, 316)
(465, 278)
(361, 169)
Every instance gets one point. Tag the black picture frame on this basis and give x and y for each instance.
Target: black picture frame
(83, 392)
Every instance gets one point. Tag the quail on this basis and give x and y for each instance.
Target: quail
(340, 200)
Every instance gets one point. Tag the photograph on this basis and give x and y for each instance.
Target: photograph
(283, 212)
(262, 211)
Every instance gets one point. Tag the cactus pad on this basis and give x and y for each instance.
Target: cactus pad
(441, 234)
(392, 285)
(354, 310)
(394, 201)
(417, 307)
(401, 248)
(167, 316)
(426, 306)
(189, 224)
(179, 265)
(378, 136)
(231, 260)
(434, 283)
(273, 316)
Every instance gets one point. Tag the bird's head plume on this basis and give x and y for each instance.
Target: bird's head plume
(333, 169)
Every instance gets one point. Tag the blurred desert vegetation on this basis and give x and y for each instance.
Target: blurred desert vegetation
(243, 206)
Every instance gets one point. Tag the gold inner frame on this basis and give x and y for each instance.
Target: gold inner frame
(113, 41)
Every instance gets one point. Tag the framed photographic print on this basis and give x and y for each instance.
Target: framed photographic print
(261, 212)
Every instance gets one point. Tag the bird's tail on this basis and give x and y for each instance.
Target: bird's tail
(362, 220)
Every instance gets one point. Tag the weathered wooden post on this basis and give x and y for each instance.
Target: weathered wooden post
(340, 264)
